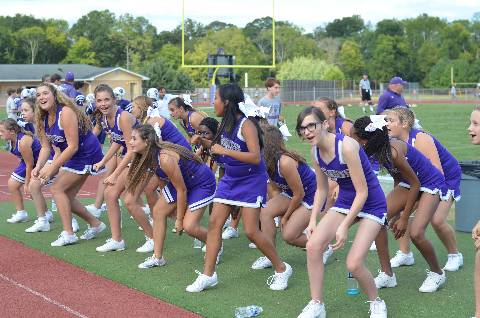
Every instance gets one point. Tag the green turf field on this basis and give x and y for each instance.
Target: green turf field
(239, 285)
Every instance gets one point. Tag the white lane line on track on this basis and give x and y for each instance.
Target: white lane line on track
(44, 297)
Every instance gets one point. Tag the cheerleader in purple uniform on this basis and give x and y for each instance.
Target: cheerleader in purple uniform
(400, 123)
(244, 184)
(190, 188)
(189, 117)
(61, 124)
(360, 198)
(119, 125)
(337, 125)
(26, 147)
(415, 179)
(35, 187)
(293, 203)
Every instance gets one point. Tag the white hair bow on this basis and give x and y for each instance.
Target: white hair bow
(152, 112)
(284, 130)
(378, 122)
(187, 99)
(251, 110)
(158, 131)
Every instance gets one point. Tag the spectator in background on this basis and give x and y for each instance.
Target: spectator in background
(55, 79)
(272, 100)
(477, 91)
(11, 108)
(68, 87)
(366, 93)
(46, 78)
(453, 92)
(392, 96)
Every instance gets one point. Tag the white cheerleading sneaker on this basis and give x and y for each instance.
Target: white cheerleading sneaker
(402, 259)
(433, 282)
(40, 225)
(49, 216)
(18, 217)
(111, 245)
(93, 231)
(261, 263)
(454, 262)
(279, 281)
(75, 226)
(147, 247)
(202, 282)
(327, 254)
(93, 210)
(64, 239)
(378, 309)
(313, 309)
(152, 261)
(229, 233)
(385, 281)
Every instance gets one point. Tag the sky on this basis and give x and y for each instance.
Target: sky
(165, 15)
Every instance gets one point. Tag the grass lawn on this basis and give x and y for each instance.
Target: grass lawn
(239, 285)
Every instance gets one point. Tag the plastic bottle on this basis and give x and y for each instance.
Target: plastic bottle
(197, 243)
(54, 206)
(352, 285)
(249, 311)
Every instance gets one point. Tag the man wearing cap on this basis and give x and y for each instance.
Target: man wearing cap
(392, 96)
(68, 88)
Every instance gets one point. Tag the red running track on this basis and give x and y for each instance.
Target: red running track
(33, 284)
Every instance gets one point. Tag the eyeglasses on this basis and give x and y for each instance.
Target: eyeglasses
(309, 127)
(202, 133)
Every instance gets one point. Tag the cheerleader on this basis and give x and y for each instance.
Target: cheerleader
(415, 179)
(337, 123)
(400, 123)
(26, 147)
(244, 184)
(189, 117)
(360, 199)
(61, 124)
(117, 123)
(293, 203)
(190, 188)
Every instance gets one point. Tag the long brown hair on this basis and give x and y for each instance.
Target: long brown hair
(138, 173)
(60, 99)
(274, 148)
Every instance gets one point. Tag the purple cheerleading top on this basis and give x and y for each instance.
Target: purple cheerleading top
(36, 146)
(431, 179)
(307, 176)
(339, 120)
(375, 207)
(89, 151)
(115, 132)
(450, 166)
(169, 132)
(187, 125)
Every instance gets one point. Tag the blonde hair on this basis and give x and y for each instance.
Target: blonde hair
(405, 116)
(143, 103)
(60, 99)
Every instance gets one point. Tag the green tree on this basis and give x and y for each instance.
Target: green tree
(390, 27)
(345, 27)
(307, 68)
(81, 52)
(7, 43)
(390, 58)
(136, 36)
(163, 74)
(351, 59)
(31, 38)
(98, 26)
(233, 41)
(456, 39)
(57, 42)
(439, 75)
(171, 54)
(427, 56)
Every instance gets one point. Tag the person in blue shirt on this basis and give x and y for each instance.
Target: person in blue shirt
(68, 87)
(392, 96)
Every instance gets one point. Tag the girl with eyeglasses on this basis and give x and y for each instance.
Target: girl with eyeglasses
(360, 199)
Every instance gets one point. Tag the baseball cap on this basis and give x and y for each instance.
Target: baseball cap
(397, 80)
(69, 76)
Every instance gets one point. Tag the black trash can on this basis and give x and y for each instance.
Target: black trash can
(467, 210)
